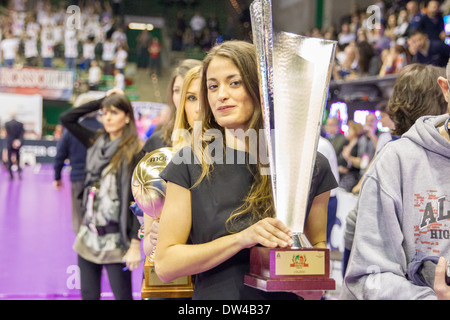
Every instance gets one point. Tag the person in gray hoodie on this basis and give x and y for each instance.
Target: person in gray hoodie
(402, 235)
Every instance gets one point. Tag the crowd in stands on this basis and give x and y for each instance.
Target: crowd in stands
(408, 32)
(197, 31)
(36, 34)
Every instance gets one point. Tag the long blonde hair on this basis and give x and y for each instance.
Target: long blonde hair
(181, 71)
(259, 201)
(181, 121)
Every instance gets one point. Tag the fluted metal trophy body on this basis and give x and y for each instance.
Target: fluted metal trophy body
(294, 72)
(149, 192)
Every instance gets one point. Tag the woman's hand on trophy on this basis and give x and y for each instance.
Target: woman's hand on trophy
(268, 232)
(154, 230)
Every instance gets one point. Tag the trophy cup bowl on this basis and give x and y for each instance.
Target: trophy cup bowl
(294, 74)
(149, 192)
(147, 187)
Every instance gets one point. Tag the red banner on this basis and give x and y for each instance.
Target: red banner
(51, 84)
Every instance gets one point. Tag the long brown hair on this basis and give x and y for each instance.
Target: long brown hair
(259, 201)
(416, 93)
(130, 143)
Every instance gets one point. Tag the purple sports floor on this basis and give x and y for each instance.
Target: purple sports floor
(37, 261)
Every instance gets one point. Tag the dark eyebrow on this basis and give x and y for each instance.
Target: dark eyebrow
(228, 78)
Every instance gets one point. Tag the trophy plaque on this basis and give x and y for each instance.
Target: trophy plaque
(294, 73)
(149, 192)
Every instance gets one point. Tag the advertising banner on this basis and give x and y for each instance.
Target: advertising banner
(51, 84)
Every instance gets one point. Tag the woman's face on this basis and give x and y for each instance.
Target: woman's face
(176, 90)
(114, 120)
(191, 105)
(230, 102)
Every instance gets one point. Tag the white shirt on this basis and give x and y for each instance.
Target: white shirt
(47, 48)
(109, 51)
(119, 81)
(71, 48)
(33, 29)
(94, 75)
(30, 48)
(89, 50)
(197, 23)
(9, 48)
(121, 59)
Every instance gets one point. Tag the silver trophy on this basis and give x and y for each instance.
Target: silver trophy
(149, 192)
(295, 73)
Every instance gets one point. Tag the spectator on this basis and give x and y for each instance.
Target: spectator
(348, 160)
(71, 51)
(395, 60)
(31, 53)
(120, 38)
(120, 58)
(197, 24)
(13, 142)
(401, 213)
(414, 14)
(154, 49)
(403, 25)
(9, 49)
(428, 51)
(334, 135)
(108, 56)
(143, 41)
(348, 69)
(432, 23)
(416, 93)
(95, 76)
(369, 64)
(391, 27)
(47, 50)
(367, 143)
(88, 52)
(421, 97)
(346, 36)
(119, 80)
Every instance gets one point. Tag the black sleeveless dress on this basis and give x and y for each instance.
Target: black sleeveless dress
(213, 200)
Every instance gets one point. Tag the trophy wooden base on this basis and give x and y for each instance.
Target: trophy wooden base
(275, 270)
(154, 288)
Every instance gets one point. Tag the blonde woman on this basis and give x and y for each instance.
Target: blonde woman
(162, 136)
(224, 209)
(187, 113)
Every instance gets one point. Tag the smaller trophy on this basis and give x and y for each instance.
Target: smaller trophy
(149, 192)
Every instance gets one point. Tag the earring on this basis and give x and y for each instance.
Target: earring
(127, 121)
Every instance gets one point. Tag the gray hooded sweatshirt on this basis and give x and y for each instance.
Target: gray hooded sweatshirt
(403, 222)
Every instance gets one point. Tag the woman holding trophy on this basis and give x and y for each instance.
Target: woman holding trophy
(186, 113)
(227, 208)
